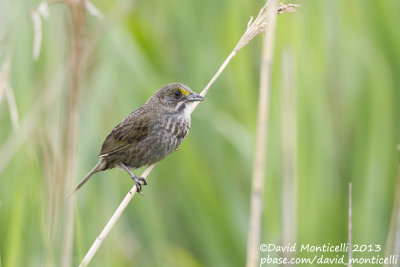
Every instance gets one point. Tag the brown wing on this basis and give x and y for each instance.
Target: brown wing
(129, 132)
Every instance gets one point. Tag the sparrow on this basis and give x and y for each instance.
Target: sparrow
(148, 134)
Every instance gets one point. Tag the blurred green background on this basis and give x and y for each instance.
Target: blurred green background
(346, 61)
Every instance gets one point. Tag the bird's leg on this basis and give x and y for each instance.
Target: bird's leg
(139, 181)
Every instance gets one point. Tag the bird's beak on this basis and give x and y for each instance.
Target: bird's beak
(194, 97)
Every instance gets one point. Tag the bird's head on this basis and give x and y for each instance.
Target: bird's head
(175, 97)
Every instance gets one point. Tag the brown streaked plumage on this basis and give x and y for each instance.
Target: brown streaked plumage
(148, 134)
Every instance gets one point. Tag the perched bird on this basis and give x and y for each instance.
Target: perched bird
(148, 134)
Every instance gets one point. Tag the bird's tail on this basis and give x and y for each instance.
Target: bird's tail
(101, 166)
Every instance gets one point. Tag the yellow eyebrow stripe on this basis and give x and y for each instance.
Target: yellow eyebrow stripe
(184, 91)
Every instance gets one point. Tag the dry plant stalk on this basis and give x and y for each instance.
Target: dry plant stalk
(256, 202)
(253, 29)
(44, 103)
(99, 240)
(42, 12)
(350, 224)
(78, 10)
(290, 8)
(70, 138)
(5, 88)
(15, 141)
(289, 152)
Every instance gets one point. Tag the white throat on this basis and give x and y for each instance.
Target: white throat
(187, 110)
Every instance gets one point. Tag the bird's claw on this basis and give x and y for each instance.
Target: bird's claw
(139, 181)
(143, 180)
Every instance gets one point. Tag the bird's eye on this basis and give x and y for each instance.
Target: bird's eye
(178, 93)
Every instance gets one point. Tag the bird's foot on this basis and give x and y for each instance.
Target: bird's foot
(139, 181)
